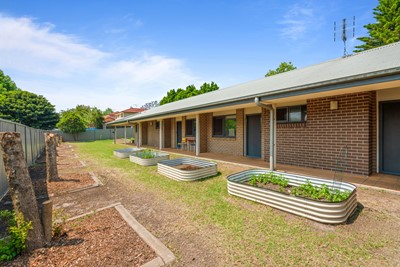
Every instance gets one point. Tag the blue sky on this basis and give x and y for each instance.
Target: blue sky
(125, 53)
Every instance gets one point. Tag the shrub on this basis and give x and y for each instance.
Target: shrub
(17, 229)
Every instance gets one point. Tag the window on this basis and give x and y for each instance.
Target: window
(224, 126)
(291, 114)
(191, 127)
(157, 125)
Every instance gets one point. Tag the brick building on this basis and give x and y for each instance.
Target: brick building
(309, 116)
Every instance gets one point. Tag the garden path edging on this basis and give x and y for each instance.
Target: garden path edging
(164, 255)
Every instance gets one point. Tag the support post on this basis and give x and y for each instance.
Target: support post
(197, 134)
(47, 218)
(115, 134)
(124, 134)
(139, 143)
(161, 134)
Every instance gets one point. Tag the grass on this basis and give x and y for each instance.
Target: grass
(251, 234)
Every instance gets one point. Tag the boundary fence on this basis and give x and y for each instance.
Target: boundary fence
(97, 134)
(32, 143)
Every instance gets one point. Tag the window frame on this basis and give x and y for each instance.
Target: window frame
(224, 128)
(193, 128)
(303, 114)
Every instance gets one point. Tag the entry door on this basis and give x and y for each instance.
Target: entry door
(178, 132)
(253, 136)
(390, 137)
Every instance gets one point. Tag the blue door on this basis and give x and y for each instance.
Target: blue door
(253, 136)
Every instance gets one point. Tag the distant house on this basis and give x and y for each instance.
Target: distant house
(121, 114)
(128, 112)
(302, 117)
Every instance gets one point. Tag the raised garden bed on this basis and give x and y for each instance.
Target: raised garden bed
(187, 169)
(126, 152)
(293, 200)
(148, 157)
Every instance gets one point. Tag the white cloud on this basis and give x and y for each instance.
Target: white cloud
(296, 21)
(68, 72)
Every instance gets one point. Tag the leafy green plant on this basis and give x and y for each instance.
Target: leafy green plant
(320, 192)
(147, 154)
(17, 229)
(58, 223)
(267, 178)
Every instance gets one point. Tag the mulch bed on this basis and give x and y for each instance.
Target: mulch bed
(70, 163)
(187, 167)
(67, 182)
(102, 239)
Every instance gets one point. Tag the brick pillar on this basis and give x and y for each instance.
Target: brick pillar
(173, 133)
(203, 132)
(183, 126)
(240, 128)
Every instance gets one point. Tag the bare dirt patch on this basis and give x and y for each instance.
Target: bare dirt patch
(102, 239)
(187, 167)
(70, 181)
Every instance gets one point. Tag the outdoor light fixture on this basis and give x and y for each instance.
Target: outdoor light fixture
(151, 123)
(334, 105)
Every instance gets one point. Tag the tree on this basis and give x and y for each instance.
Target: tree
(150, 105)
(6, 84)
(107, 111)
(92, 116)
(283, 67)
(386, 30)
(71, 122)
(21, 188)
(28, 108)
(191, 90)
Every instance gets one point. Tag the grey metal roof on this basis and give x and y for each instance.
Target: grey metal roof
(372, 63)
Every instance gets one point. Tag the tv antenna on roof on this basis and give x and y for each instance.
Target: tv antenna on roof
(344, 33)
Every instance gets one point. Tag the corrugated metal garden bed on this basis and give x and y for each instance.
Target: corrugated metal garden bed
(187, 169)
(126, 152)
(314, 209)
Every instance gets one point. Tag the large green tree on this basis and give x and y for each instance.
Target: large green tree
(6, 84)
(283, 67)
(72, 122)
(28, 108)
(191, 90)
(92, 116)
(386, 29)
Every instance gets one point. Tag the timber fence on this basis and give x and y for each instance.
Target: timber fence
(32, 143)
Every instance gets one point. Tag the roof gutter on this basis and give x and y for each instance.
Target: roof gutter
(271, 131)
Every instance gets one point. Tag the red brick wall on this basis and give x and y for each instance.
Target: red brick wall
(232, 146)
(167, 133)
(173, 133)
(317, 142)
(144, 132)
(203, 132)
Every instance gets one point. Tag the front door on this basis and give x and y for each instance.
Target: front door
(178, 132)
(389, 137)
(253, 136)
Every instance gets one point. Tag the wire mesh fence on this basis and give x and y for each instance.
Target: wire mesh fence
(32, 143)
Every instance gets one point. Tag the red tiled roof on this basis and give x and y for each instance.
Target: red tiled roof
(133, 110)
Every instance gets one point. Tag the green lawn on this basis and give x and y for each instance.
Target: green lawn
(252, 234)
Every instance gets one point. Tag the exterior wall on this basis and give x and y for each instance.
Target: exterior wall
(232, 146)
(318, 142)
(167, 133)
(144, 133)
(153, 134)
(203, 132)
(173, 133)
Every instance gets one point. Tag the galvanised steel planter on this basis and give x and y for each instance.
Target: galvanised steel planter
(170, 168)
(324, 212)
(126, 152)
(159, 156)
